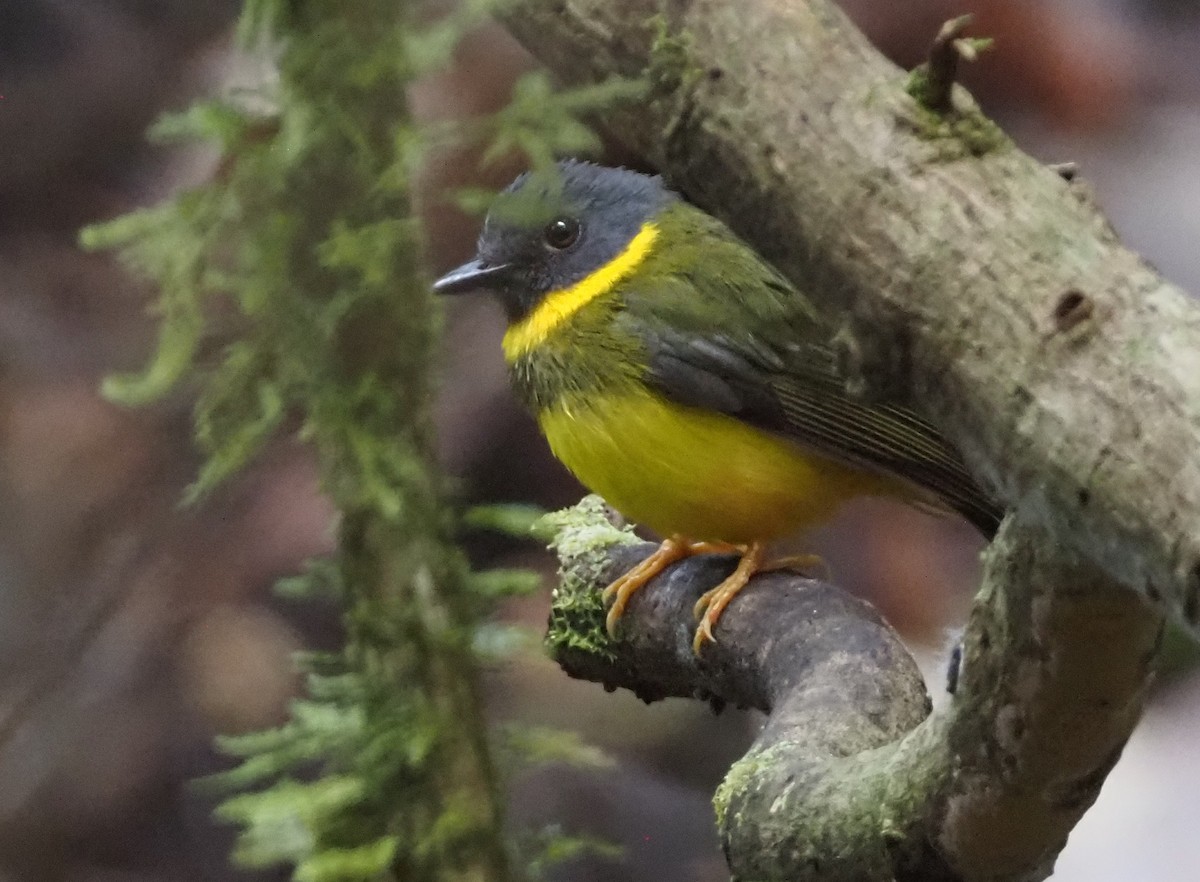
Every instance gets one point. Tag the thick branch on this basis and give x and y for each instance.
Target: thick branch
(850, 779)
(953, 255)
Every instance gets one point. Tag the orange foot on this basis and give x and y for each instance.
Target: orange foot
(676, 548)
(712, 603)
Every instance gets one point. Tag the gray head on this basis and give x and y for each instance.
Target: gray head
(548, 233)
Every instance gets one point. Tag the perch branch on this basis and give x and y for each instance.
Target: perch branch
(851, 778)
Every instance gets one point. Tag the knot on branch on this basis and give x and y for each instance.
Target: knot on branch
(784, 633)
(932, 84)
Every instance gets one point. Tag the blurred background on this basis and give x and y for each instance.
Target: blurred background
(132, 631)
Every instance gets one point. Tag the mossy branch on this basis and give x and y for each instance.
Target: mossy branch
(852, 778)
(293, 292)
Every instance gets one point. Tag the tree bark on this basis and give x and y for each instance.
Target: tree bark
(988, 292)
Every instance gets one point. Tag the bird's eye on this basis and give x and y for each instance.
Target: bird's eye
(562, 233)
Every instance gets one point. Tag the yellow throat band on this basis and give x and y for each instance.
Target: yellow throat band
(558, 306)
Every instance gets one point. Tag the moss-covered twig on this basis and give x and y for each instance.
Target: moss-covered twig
(307, 238)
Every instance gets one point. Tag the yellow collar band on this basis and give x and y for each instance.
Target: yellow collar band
(558, 306)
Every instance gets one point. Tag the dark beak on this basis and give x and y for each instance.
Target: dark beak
(471, 276)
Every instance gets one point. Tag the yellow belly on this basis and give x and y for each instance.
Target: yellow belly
(679, 469)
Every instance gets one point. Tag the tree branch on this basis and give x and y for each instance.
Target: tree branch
(950, 254)
(851, 778)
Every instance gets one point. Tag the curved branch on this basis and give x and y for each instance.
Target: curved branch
(851, 778)
(976, 282)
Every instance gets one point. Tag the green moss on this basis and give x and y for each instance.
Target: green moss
(582, 537)
(746, 774)
(958, 134)
(293, 293)
(917, 85)
(739, 776)
(671, 67)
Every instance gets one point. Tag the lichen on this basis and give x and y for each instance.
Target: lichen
(745, 774)
(959, 135)
(963, 131)
(582, 537)
(917, 85)
(671, 66)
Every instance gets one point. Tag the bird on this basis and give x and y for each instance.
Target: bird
(682, 378)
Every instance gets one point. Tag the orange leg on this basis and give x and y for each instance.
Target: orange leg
(676, 548)
(712, 603)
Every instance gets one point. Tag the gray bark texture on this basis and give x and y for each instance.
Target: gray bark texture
(987, 291)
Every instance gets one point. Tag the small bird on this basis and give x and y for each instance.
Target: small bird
(683, 379)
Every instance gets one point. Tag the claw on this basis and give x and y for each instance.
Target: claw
(712, 603)
(673, 549)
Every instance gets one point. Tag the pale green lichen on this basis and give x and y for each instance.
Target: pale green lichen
(917, 84)
(959, 135)
(745, 774)
(582, 538)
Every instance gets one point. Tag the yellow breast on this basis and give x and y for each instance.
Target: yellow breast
(705, 475)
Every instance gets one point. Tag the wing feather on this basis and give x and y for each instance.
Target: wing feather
(782, 377)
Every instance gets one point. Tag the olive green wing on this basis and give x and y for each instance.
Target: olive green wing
(769, 365)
